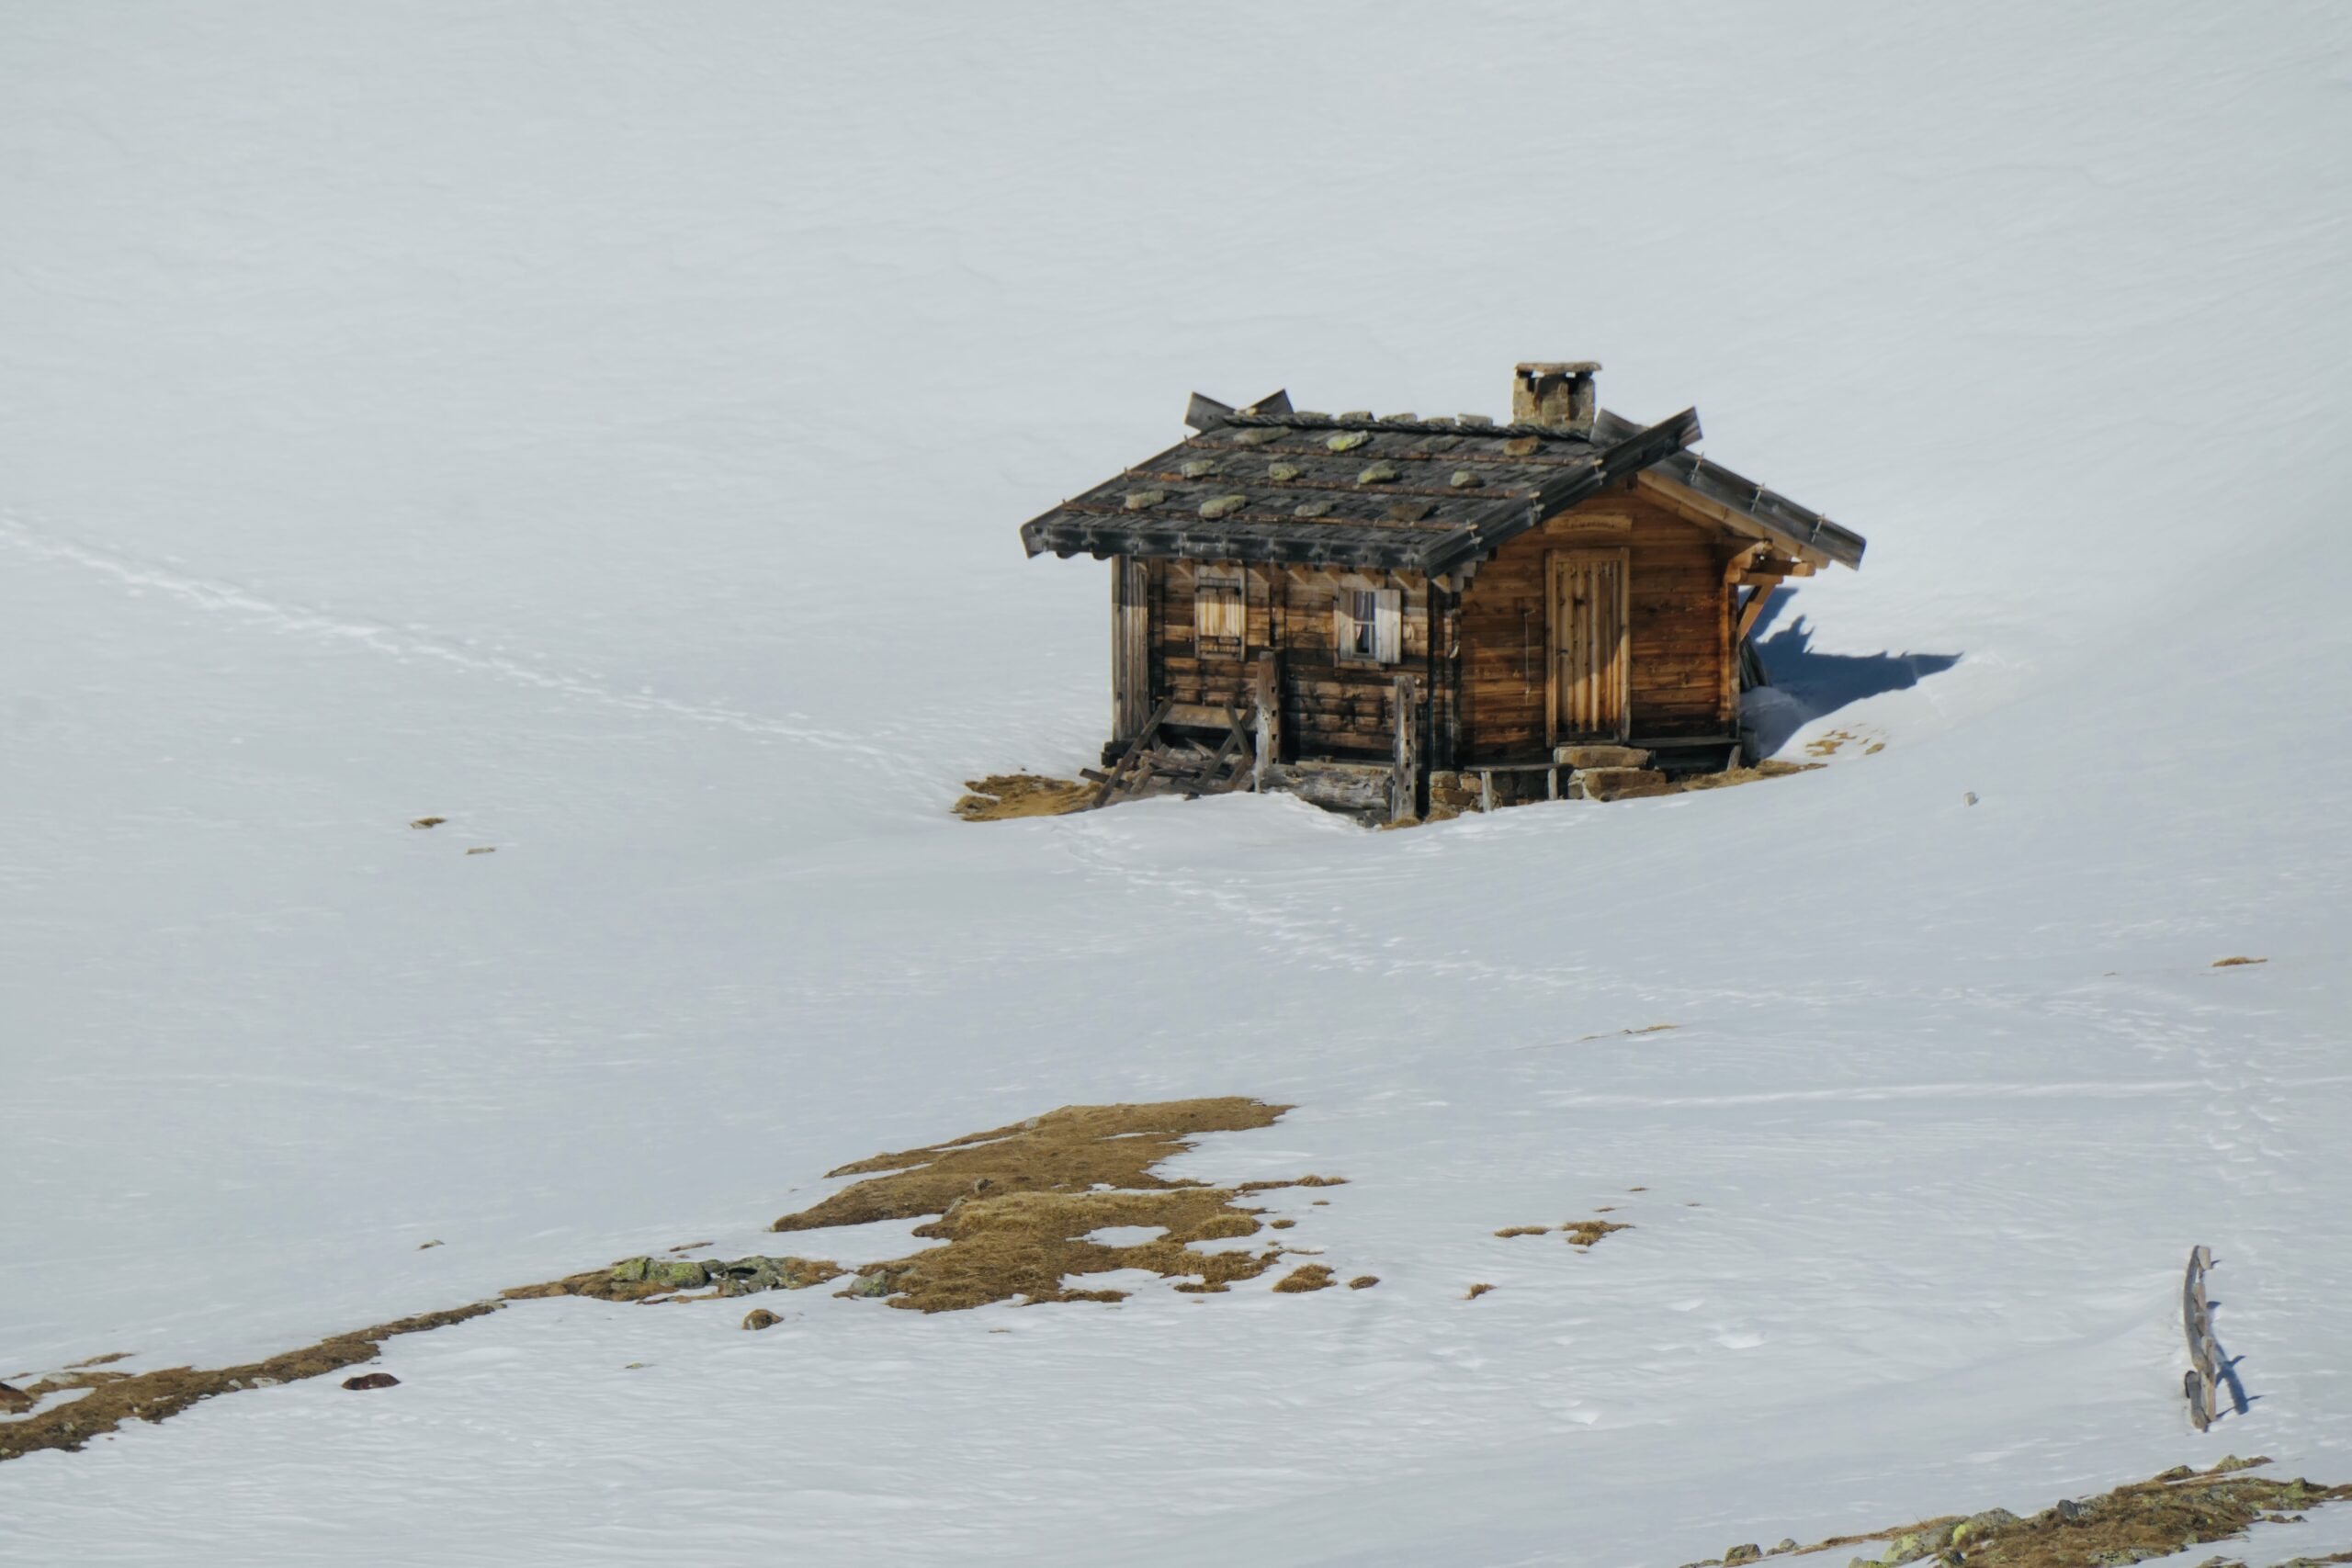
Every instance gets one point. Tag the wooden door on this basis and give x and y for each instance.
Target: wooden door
(1591, 646)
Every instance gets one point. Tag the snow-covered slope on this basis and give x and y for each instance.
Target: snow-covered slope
(605, 427)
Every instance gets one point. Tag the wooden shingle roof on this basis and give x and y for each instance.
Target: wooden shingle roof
(1428, 495)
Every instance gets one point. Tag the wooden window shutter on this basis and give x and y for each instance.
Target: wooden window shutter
(1388, 625)
(1220, 614)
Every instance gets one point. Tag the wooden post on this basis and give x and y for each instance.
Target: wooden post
(1403, 784)
(1266, 690)
(2197, 1318)
(1130, 647)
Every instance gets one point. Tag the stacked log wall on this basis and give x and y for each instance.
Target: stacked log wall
(1331, 707)
(1679, 633)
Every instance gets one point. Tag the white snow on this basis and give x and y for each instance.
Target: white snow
(605, 427)
(1124, 1235)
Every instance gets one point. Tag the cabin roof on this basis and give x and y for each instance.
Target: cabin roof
(1432, 495)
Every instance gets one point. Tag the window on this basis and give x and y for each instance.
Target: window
(1220, 614)
(1368, 624)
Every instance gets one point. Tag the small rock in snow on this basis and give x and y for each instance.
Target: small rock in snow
(760, 1317)
(372, 1379)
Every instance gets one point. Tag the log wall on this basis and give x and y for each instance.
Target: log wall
(1331, 707)
(1681, 652)
(1478, 658)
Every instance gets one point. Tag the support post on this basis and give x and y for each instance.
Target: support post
(1404, 782)
(1266, 692)
(1130, 647)
(2204, 1357)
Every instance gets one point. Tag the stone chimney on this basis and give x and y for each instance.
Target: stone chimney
(1554, 392)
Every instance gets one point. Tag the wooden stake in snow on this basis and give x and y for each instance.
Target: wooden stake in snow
(2204, 1354)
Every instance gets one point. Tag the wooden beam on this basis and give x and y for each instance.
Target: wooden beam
(1205, 414)
(1233, 743)
(1749, 612)
(1266, 692)
(1682, 496)
(1130, 646)
(1135, 752)
(1403, 785)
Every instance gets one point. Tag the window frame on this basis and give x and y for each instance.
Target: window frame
(1376, 643)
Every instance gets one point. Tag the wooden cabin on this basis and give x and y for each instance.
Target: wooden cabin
(1391, 615)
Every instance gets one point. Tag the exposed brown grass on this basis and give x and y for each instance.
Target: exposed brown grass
(1770, 768)
(1364, 1282)
(1073, 1149)
(2169, 1513)
(1480, 1289)
(1585, 1233)
(1510, 1231)
(2234, 962)
(1827, 745)
(117, 1397)
(1015, 1204)
(646, 1279)
(1307, 1277)
(1003, 796)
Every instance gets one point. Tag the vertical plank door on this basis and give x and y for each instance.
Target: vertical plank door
(1591, 646)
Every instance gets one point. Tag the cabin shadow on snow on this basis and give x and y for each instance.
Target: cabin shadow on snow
(1819, 684)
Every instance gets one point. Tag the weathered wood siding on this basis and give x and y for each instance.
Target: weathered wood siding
(1331, 707)
(1680, 609)
(1130, 646)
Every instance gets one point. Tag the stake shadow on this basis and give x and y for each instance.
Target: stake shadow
(1814, 683)
(2227, 1365)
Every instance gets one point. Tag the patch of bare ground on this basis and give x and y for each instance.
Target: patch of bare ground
(1770, 768)
(1585, 1233)
(1001, 796)
(2169, 1513)
(1827, 745)
(653, 1279)
(1015, 1206)
(115, 1397)
(1474, 1291)
(1579, 1233)
(2234, 962)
